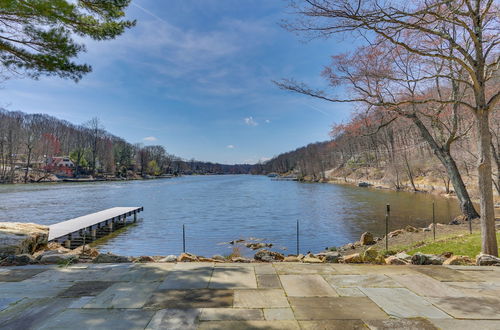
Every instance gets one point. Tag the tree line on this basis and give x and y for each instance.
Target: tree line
(29, 141)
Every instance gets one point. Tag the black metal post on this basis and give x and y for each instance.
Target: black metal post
(387, 215)
(470, 226)
(184, 238)
(297, 237)
(433, 221)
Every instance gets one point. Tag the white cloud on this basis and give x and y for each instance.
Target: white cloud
(150, 138)
(267, 121)
(230, 146)
(264, 159)
(250, 121)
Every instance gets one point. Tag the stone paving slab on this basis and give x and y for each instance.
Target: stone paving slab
(99, 319)
(416, 323)
(233, 278)
(335, 308)
(87, 288)
(201, 298)
(367, 281)
(184, 279)
(6, 302)
(477, 288)
(444, 274)
(174, 319)
(306, 286)
(302, 269)
(123, 295)
(249, 325)
(265, 269)
(262, 298)
(278, 314)
(426, 286)
(403, 303)
(135, 274)
(29, 313)
(17, 275)
(466, 324)
(27, 289)
(230, 314)
(469, 307)
(350, 292)
(268, 281)
(365, 269)
(332, 325)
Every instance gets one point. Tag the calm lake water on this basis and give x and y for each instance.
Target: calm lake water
(219, 209)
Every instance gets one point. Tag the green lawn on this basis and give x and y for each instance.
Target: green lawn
(467, 245)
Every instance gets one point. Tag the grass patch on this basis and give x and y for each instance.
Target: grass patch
(465, 245)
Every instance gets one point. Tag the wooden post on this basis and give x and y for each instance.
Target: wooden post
(387, 215)
(67, 243)
(110, 225)
(135, 216)
(94, 234)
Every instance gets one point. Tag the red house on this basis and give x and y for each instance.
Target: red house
(62, 166)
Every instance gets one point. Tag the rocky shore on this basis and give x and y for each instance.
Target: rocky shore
(26, 243)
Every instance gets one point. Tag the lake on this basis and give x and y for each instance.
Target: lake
(217, 209)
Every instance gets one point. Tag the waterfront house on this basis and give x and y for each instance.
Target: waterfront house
(60, 166)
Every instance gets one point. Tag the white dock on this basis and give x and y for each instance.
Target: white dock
(76, 227)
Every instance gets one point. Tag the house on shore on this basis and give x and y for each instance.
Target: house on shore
(60, 166)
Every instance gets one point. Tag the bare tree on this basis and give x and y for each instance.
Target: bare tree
(468, 29)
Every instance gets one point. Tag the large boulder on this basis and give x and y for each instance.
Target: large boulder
(458, 260)
(393, 260)
(372, 256)
(268, 256)
(312, 260)
(396, 233)
(110, 258)
(187, 257)
(352, 259)
(17, 260)
(487, 260)
(427, 259)
(56, 258)
(403, 256)
(21, 238)
(85, 250)
(330, 257)
(169, 258)
(367, 238)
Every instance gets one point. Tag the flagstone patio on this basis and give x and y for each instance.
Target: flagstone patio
(249, 296)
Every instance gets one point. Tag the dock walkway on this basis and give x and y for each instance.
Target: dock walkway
(91, 224)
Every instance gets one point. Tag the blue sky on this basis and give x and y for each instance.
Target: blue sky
(195, 76)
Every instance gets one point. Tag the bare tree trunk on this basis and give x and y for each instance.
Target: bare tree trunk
(28, 163)
(496, 157)
(489, 240)
(450, 165)
(410, 174)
